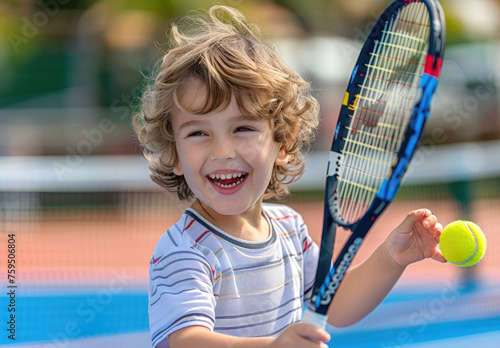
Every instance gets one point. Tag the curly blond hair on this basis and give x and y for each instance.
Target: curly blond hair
(228, 55)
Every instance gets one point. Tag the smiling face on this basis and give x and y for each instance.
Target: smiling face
(226, 157)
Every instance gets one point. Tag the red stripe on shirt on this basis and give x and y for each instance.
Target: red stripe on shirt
(283, 218)
(202, 235)
(188, 226)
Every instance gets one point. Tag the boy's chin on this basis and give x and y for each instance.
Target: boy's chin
(227, 208)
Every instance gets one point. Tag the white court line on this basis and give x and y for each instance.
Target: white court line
(483, 340)
(131, 340)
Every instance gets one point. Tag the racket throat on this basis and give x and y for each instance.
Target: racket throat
(332, 282)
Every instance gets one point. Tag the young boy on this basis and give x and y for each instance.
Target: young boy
(225, 125)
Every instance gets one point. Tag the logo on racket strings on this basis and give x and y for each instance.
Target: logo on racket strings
(354, 103)
(340, 271)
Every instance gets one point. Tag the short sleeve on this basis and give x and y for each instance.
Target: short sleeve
(180, 292)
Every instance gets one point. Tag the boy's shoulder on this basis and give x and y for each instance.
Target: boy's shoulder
(285, 218)
(282, 214)
(180, 235)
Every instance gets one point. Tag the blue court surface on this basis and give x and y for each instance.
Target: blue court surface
(442, 315)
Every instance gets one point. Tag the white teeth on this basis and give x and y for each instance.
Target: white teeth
(217, 177)
(225, 176)
(227, 186)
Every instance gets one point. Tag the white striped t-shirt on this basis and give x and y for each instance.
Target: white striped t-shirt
(200, 275)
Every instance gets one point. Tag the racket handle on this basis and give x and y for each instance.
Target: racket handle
(313, 318)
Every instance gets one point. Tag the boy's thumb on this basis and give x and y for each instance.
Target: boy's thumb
(410, 220)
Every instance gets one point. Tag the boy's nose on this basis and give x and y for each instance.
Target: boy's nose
(222, 150)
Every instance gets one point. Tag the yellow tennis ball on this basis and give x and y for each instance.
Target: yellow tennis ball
(463, 243)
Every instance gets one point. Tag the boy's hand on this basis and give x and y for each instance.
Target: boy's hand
(416, 238)
(301, 335)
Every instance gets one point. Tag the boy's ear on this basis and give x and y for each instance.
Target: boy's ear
(282, 158)
(178, 169)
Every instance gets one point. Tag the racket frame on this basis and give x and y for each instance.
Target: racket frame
(328, 278)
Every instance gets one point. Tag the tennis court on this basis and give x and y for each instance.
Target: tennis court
(82, 258)
(81, 218)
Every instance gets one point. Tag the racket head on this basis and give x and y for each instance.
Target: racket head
(384, 109)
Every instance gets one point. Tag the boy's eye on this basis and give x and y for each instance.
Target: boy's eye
(196, 134)
(244, 129)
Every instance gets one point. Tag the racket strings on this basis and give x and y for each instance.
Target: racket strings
(384, 108)
(383, 68)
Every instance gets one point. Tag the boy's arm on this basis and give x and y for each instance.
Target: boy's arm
(296, 335)
(367, 284)
(199, 336)
(363, 288)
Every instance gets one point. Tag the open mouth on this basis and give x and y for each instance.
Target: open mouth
(227, 180)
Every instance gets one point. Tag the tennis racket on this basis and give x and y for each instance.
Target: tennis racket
(383, 112)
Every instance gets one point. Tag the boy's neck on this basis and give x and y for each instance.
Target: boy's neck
(251, 225)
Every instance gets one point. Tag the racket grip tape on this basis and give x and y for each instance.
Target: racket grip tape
(313, 318)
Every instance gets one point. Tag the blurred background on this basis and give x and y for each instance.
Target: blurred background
(76, 194)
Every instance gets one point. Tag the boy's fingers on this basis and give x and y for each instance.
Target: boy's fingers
(314, 333)
(421, 213)
(440, 258)
(438, 229)
(429, 221)
(411, 219)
